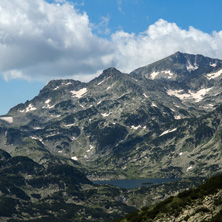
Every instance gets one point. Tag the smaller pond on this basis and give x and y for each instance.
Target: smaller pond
(129, 184)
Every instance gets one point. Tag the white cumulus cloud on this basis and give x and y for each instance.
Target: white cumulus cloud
(43, 41)
(160, 40)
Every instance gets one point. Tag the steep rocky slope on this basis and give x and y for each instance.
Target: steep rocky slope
(201, 204)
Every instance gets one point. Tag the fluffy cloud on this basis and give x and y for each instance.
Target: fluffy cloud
(39, 40)
(160, 40)
(42, 41)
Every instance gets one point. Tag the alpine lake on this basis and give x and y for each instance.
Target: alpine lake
(134, 183)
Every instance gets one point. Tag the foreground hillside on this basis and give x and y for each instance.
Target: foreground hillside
(31, 192)
(59, 192)
(201, 204)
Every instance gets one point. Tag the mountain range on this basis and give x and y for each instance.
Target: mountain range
(160, 120)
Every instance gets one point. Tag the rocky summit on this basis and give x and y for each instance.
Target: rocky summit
(161, 120)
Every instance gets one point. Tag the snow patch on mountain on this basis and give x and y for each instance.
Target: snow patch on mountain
(103, 81)
(51, 134)
(29, 108)
(8, 119)
(55, 116)
(178, 93)
(214, 74)
(56, 88)
(191, 67)
(50, 107)
(153, 75)
(189, 168)
(74, 158)
(37, 128)
(167, 74)
(197, 96)
(135, 127)
(105, 114)
(48, 101)
(79, 93)
(110, 87)
(177, 117)
(66, 84)
(208, 107)
(145, 95)
(34, 138)
(82, 106)
(100, 82)
(213, 65)
(90, 148)
(153, 105)
(37, 138)
(99, 102)
(69, 125)
(41, 140)
(168, 131)
(47, 104)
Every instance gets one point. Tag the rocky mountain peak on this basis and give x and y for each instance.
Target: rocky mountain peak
(111, 72)
(177, 57)
(61, 83)
(178, 67)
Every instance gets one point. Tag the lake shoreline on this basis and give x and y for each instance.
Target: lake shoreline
(135, 183)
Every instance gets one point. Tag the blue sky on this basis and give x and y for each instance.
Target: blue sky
(136, 15)
(43, 40)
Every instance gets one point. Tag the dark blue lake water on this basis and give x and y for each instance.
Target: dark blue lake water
(129, 184)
